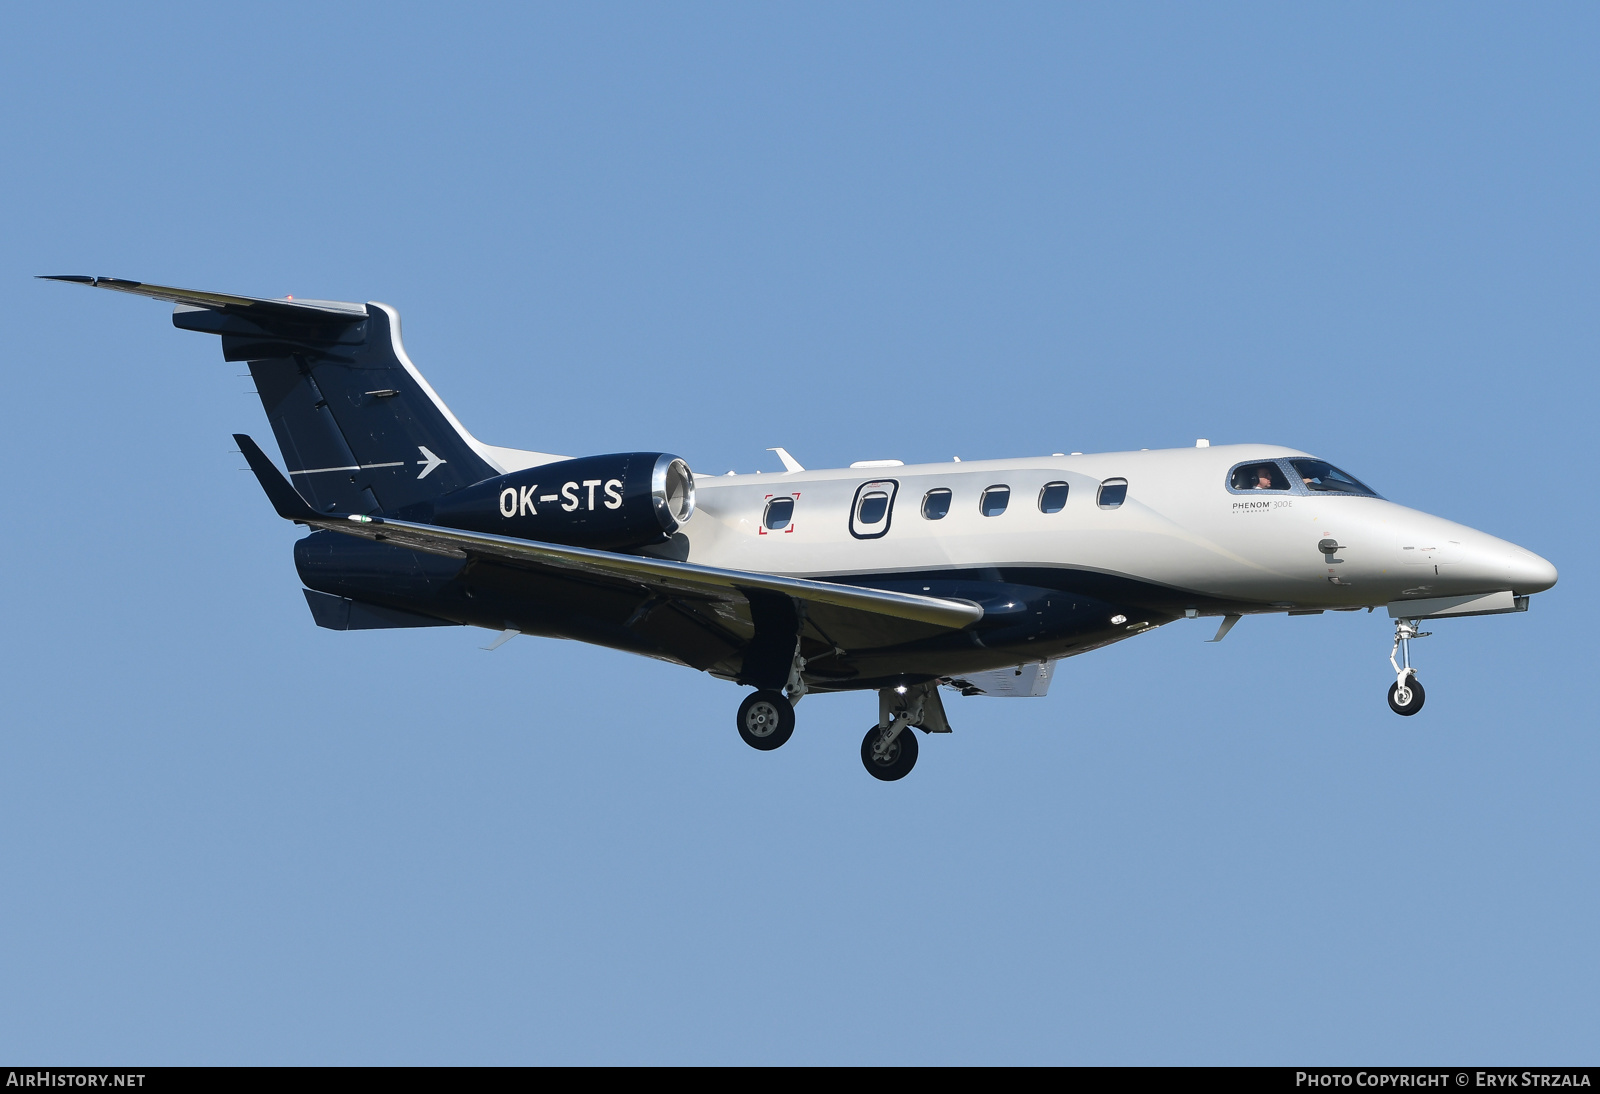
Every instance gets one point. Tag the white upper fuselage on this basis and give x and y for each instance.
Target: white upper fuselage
(1180, 527)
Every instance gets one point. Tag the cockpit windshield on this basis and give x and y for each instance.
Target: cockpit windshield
(1258, 476)
(1322, 476)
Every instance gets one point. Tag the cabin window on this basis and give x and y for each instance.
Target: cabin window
(1053, 498)
(1265, 475)
(873, 507)
(779, 512)
(1113, 492)
(994, 501)
(936, 504)
(1325, 478)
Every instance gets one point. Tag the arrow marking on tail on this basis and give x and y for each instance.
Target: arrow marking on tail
(430, 459)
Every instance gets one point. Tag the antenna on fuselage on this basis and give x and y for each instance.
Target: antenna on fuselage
(790, 464)
(1227, 625)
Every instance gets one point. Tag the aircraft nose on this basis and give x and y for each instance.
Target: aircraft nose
(1529, 572)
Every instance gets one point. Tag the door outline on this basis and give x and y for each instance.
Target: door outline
(887, 486)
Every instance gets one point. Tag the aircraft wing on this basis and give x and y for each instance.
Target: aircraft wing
(657, 574)
(868, 617)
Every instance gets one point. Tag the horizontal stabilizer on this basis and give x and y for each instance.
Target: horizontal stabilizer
(258, 307)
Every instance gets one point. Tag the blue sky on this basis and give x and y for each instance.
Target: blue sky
(909, 231)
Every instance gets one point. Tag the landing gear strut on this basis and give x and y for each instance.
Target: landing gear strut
(889, 750)
(766, 720)
(1405, 694)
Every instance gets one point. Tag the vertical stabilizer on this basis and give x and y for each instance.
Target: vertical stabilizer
(360, 430)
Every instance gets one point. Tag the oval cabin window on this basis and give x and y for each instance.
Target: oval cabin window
(994, 501)
(936, 504)
(1113, 492)
(1053, 498)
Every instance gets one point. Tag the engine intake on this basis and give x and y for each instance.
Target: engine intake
(618, 502)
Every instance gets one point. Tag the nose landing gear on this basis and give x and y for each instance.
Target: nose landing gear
(1405, 694)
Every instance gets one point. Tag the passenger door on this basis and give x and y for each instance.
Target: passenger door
(873, 508)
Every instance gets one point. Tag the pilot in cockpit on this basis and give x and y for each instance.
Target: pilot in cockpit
(1259, 476)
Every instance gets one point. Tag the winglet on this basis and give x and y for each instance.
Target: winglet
(284, 497)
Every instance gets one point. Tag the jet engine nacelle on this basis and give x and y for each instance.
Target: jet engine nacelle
(618, 502)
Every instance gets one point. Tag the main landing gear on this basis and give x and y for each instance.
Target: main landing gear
(889, 750)
(889, 753)
(766, 719)
(1405, 694)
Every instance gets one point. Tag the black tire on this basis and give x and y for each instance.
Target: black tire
(766, 720)
(1417, 697)
(898, 762)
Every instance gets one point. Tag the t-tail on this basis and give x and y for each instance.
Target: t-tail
(360, 430)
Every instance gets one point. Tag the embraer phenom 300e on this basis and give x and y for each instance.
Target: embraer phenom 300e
(896, 579)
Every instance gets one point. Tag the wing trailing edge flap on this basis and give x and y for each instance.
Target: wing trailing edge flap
(667, 578)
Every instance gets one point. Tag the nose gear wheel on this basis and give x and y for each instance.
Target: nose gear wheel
(1407, 700)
